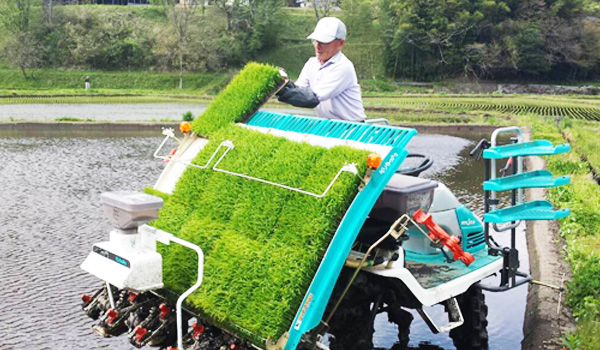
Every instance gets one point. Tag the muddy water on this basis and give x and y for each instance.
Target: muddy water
(50, 216)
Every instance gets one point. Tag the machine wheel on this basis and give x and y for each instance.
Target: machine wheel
(402, 319)
(353, 329)
(472, 335)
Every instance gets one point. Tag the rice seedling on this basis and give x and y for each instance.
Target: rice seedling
(522, 105)
(262, 244)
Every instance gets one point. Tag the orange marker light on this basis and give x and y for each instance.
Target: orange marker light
(185, 127)
(373, 161)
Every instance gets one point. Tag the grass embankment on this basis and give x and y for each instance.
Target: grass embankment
(581, 230)
(260, 251)
(63, 82)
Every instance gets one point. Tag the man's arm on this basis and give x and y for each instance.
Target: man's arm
(298, 96)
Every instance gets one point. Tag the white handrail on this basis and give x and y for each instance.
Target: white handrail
(191, 289)
(166, 238)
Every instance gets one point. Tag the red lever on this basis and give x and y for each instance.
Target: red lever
(171, 154)
(198, 329)
(438, 233)
(140, 332)
(132, 296)
(86, 299)
(112, 315)
(164, 311)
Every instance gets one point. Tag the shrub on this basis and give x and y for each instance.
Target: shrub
(187, 116)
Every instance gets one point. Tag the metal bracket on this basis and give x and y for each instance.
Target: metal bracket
(378, 121)
(499, 228)
(525, 278)
(454, 315)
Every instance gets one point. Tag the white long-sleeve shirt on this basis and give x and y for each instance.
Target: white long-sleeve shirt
(336, 87)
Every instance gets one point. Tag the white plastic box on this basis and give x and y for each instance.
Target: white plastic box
(128, 210)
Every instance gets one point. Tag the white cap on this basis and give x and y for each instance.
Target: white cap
(328, 29)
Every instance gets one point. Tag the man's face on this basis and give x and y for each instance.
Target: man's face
(325, 51)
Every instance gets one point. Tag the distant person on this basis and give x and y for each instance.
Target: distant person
(328, 81)
(87, 83)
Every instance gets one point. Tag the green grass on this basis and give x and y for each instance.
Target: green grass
(70, 119)
(53, 81)
(70, 99)
(581, 229)
(260, 251)
(586, 135)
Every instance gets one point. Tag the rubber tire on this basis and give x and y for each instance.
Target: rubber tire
(402, 319)
(353, 330)
(472, 335)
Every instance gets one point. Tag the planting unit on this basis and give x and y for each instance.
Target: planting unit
(288, 228)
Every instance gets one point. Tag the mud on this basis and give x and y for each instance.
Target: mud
(547, 318)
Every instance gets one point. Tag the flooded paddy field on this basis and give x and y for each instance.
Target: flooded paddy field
(113, 112)
(50, 215)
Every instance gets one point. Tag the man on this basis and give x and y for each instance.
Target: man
(328, 80)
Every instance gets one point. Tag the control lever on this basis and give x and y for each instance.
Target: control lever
(478, 149)
(438, 233)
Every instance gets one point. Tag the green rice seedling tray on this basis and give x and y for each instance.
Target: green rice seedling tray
(538, 178)
(536, 210)
(534, 148)
(269, 263)
(260, 250)
(240, 99)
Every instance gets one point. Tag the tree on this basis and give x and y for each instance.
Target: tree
(530, 46)
(323, 7)
(181, 13)
(16, 17)
(426, 38)
(48, 8)
(252, 25)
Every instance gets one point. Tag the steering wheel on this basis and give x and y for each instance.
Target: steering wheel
(425, 164)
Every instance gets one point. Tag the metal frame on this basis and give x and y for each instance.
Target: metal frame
(510, 255)
(313, 305)
(351, 168)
